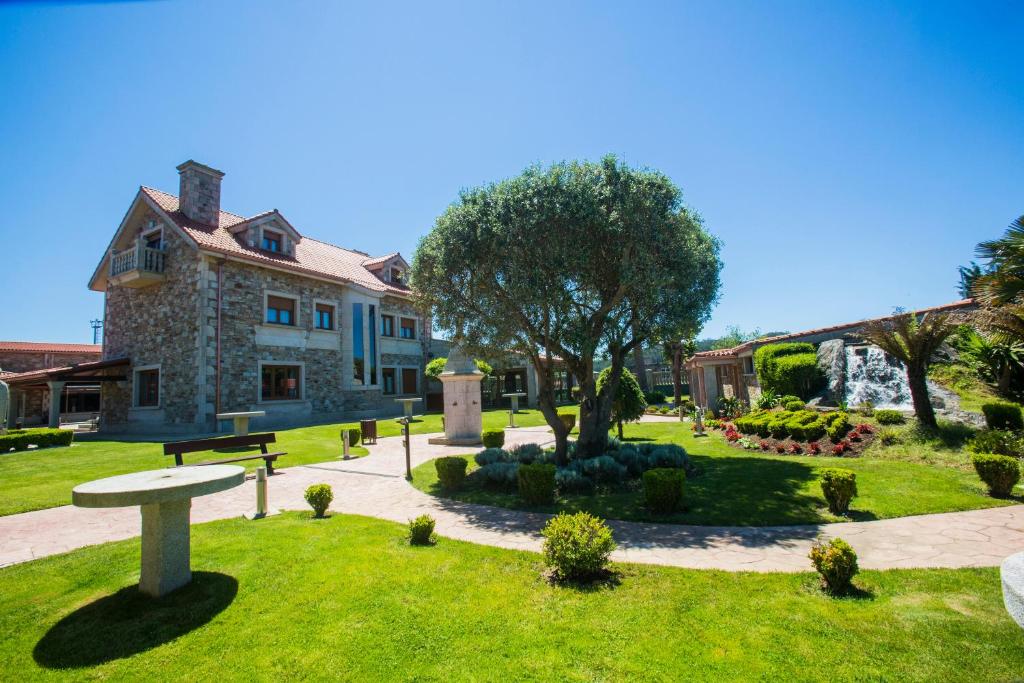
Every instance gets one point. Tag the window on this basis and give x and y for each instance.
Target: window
(408, 328)
(280, 383)
(324, 317)
(358, 367)
(387, 326)
(147, 388)
(154, 240)
(372, 326)
(409, 377)
(271, 241)
(748, 365)
(396, 275)
(387, 377)
(280, 310)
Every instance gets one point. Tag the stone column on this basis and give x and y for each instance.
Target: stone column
(56, 392)
(531, 384)
(165, 547)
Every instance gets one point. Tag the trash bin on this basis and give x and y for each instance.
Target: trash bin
(368, 428)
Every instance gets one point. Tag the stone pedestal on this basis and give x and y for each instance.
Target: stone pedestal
(1012, 572)
(166, 551)
(463, 416)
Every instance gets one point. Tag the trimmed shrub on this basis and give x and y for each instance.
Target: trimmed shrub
(654, 397)
(999, 472)
(319, 497)
(44, 437)
(836, 562)
(577, 546)
(354, 435)
(493, 438)
(839, 487)
(498, 474)
(537, 484)
(794, 405)
(571, 481)
(1003, 416)
(663, 489)
(998, 441)
(421, 530)
(569, 420)
(667, 455)
(889, 417)
(489, 456)
(451, 471)
(840, 425)
(790, 369)
(603, 469)
(788, 398)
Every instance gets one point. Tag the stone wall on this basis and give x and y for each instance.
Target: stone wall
(23, 361)
(156, 325)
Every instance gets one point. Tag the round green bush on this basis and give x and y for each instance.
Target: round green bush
(889, 417)
(794, 405)
(998, 441)
(999, 472)
(421, 529)
(663, 489)
(1003, 416)
(569, 420)
(319, 497)
(839, 487)
(577, 547)
(493, 438)
(451, 471)
(836, 561)
(536, 483)
(353, 435)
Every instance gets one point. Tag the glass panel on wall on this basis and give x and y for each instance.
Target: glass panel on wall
(373, 345)
(358, 365)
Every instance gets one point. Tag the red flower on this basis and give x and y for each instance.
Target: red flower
(864, 428)
(838, 449)
(854, 436)
(814, 447)
(732, 436)
(795, 448)
(780, 448)
(765, 445)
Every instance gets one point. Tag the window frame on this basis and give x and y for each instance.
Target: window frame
(159, 232)
(280, 295)
(139, 370)
(391, 319)
(394, 381)
(316, 315)
(415, 324)
(264, 240)
(301, 379)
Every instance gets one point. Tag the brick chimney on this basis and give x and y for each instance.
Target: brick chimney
(199, 194)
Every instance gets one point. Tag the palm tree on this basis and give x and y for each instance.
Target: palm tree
(1004, 281)
(1003, 349)
(913, 341)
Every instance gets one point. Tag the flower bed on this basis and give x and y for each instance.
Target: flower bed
(834, 441)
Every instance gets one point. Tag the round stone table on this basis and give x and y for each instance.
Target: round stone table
(1012, 572)
(515, 406)
(165, 497)
(407, 404)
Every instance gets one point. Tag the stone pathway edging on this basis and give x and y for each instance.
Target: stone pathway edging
(375, 486)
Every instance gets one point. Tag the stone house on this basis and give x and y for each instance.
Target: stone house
(730, 372)
(216, 312)
(31, 402)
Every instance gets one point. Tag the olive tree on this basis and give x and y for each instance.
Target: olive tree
(559, 264)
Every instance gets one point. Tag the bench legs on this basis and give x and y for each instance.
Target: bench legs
(270, 465)
(165, 547)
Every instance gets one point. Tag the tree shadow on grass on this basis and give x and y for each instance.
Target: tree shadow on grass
(128, 622)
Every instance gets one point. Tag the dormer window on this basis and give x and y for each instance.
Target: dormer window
(272, 241)
(396, 275)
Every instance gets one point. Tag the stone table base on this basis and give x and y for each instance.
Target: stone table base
(1012, 572)
(166, 551)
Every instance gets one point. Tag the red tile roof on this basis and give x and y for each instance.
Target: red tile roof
(48, 347)
(312, 257)
(736, 350)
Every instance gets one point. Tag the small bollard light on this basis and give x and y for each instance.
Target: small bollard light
(344, 444)
(261, 497)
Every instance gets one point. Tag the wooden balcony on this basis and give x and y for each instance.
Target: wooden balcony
(140, 266)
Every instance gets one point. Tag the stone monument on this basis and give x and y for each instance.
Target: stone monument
(1012, 573)
(5, 405)
(463, 419)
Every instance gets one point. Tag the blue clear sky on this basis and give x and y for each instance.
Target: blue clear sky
(849, 155)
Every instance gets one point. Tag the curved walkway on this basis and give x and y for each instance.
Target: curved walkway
(375, 486)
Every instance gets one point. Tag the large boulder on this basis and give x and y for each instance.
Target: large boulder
(832, 362)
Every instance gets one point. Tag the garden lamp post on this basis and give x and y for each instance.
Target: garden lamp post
(404, 421)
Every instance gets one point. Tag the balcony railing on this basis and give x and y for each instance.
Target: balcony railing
(142, 263)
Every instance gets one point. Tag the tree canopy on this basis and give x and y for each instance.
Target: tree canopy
(571, 260)
(629, 403)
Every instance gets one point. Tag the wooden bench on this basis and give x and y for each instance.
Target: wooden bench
(178, 448)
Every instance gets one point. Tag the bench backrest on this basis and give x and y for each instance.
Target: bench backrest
(196, 445)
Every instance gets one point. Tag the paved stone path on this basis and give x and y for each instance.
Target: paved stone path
(375, 486)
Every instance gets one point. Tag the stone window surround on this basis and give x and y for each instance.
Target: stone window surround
(335, 320)
(281, 401)
(159, 390)
(399, 385)
(396, 327)
(267, 293)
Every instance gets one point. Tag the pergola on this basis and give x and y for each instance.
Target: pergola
(57, 379)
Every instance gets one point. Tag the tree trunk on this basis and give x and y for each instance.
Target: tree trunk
(917, 378)
(621, 437)
(548, 408)
(640, 363)
(677, 373)
(596, 410)
(1003, 386)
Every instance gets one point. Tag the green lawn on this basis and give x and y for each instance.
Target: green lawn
(346, 598)
(36, 479)
(737, 487)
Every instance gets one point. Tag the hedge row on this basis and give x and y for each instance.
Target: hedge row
(799, 425)
(21, 439)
